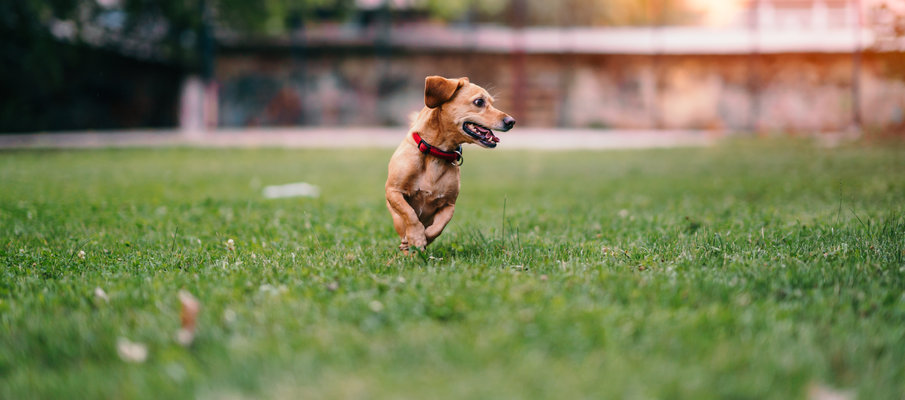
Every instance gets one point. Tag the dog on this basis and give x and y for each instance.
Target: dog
(423, 180)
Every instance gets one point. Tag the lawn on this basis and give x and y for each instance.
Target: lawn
(745, 271)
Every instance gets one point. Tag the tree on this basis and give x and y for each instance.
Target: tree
(53, 52)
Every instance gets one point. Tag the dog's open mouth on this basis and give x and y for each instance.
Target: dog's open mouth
(482, 134)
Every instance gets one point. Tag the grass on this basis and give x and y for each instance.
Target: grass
(745, 271)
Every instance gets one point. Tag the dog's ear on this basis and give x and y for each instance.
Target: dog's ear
(438, 90)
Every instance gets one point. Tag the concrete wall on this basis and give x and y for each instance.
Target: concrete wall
(789, 92)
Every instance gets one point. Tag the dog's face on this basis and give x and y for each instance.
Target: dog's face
(466, 108)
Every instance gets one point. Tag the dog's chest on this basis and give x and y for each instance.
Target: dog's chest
(432, 192)
(435, 192)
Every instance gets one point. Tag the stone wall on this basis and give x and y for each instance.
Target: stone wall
(787, 92)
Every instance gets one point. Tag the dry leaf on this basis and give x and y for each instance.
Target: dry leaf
(189, 317)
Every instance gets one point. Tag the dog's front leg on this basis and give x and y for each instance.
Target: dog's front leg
(413, 229)
(441, 218)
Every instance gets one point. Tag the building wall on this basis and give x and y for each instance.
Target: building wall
(788, 92)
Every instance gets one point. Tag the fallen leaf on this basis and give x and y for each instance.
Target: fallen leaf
(189, 317)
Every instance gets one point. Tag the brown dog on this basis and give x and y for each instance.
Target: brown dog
(423, 181)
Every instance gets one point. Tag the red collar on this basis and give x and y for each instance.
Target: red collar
(454, 157)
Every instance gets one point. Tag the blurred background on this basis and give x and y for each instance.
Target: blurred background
(200, 65)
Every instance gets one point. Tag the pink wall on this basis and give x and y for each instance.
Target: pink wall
(774, 92)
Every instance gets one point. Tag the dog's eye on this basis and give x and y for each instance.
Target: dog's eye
(478, 102)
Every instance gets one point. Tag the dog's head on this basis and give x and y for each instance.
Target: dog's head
(466, 108)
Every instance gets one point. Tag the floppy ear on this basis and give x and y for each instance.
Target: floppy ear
(438, 90)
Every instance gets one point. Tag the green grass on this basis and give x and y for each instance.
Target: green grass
(745, 271)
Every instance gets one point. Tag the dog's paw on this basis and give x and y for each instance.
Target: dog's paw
(410, 250)
(419, 243)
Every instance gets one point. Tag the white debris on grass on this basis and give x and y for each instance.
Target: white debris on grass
(131, 351)
(185, 337)
(229, 316)
(272, 290)
(299, 189)
(818, 391)
(101, 294)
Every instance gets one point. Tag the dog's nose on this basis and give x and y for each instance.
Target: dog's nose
(508, 122)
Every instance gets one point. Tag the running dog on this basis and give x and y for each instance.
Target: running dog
(423, 181)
